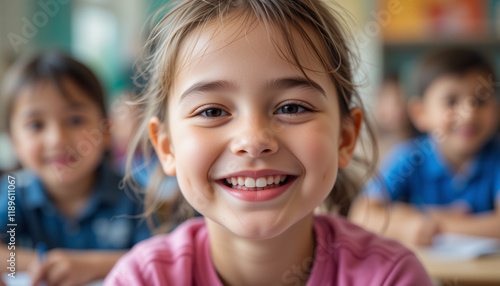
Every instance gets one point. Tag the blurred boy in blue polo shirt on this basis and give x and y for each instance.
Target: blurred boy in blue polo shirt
(448, 180)
(67, 197)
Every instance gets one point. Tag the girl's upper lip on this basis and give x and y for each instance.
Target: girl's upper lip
(61, 157)
(256, 173)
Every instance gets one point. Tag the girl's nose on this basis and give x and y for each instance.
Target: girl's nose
(56, 136)
(254, 141)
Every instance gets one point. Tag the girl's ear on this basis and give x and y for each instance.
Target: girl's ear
(416, 113)
(161, 143)
(349, 136)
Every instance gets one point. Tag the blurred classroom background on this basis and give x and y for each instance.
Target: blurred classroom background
(391, 35)
(106, 35)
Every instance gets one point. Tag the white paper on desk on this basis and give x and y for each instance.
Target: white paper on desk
(23, 279)
(462, 247)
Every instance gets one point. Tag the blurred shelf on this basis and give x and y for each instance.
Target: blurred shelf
(428, 23)
(426, 42)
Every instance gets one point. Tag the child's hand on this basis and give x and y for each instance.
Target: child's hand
(421, 230)
(411, 226)
(63, 267)
(443, 214)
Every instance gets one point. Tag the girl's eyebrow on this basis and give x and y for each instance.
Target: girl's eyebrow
(295, 82)
(206, 86)
(275, 84)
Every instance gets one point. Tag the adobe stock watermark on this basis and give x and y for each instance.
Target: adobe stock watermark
(11, 226)
(39, 19)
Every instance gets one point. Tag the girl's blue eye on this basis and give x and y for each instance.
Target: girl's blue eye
(291, 109)
(213, 112)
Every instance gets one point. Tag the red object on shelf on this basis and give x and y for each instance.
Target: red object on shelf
(439, 19)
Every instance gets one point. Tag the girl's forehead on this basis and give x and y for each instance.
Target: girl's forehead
(218, 34)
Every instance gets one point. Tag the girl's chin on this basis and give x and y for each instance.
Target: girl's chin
(57, 181)
(255, 229)
(55, 178)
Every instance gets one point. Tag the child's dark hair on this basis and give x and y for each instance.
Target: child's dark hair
(451, 61)
(312, 21)
(48, 67)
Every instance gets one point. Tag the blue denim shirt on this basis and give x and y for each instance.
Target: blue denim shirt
(416, 172)
(104, 223)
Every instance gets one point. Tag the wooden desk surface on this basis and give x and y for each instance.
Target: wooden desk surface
(479, 271)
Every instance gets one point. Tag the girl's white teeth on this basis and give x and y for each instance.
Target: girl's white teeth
(249, 183)
(270, 180)
(277, 179)
(261, 182)
(256, 183)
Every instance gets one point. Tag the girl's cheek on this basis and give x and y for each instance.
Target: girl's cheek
(317, 151)
(195, 153)
(315, 143)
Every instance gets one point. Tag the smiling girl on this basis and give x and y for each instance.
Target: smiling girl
(251, 105)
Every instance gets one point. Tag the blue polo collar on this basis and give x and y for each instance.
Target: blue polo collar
(106, 191)
(34, 195)
(437, 167)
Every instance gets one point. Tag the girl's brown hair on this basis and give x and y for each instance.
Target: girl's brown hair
(48, 67)
(290, 18)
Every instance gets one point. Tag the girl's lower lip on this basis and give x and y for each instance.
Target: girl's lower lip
(62, 161)
(258, 196)
(467, 133)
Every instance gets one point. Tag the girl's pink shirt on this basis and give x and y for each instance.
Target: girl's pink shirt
(345, 255)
